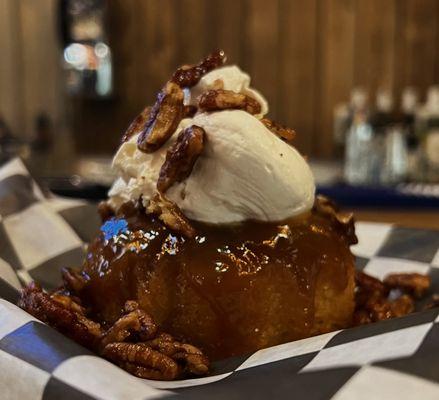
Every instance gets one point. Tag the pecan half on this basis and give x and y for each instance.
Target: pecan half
(170, 214)
(375, 301)
(432, 303)
(415, 284)
(279, 130)
(190, 75)
(61, 314)
(190, 357)
(135, 322)
(138, 124)
(343, 221)
(164, 118)
(221, 99)
(73, 280)
(181, 157)
(142, 361)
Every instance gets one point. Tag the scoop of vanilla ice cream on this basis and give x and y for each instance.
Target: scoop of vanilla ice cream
(245, 172)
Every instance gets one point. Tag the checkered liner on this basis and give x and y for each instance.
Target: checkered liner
(395, 359)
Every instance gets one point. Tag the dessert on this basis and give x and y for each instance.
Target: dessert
(213, 242)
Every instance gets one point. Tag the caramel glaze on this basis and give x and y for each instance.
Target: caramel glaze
(231, 290)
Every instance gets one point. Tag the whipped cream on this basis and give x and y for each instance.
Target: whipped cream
(245, 172)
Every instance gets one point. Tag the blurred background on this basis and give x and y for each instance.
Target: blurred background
(355, 78)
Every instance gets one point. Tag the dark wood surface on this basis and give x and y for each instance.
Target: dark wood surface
(304, 55)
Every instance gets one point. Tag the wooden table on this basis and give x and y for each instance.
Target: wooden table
(424, 219)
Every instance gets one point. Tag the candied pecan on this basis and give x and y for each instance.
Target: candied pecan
(135, 321)
(361, 317)
(54, 312)
(415, 284)
(73, 280)
(379, 310)
(432, 303)
(137, 125)
(170, 214)
(279, 130)
(403, 305)
(164, 119)
(68, 302)
(190, 75)
(192, 359)
(142, 361)
(105, 211)
(344, 221)
(221, 99)
(181, 157)
(370, 284)
(189, 111)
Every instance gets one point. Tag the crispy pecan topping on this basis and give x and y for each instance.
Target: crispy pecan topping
(137, 125)
(221, 99)
(181, 157)
(432, 303)
(140, 360)
(190, 357)
(279, 130)
(60, 314)
(344, 221)
(135, 322)
(415, 284)
(73, 280)
(171, 215)
(164, 118)
(375, 300)
(190, 75)
(131, 342)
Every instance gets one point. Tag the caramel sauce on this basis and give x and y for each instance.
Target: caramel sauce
(231, 289)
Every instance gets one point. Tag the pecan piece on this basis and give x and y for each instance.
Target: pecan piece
(181, 157)
(170, 214)
(401, 306)
(221, 99)
(370, 284)
(142, 361)
(73, 280)
(61, 315)
(432, 303)
(190, 75)
(415, 284)
(137, 125)
(135, 321)
(190, 357)
(164, 118)
(279, 130)
(343, 221)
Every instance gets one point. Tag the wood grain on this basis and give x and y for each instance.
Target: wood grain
(335, 66)
(304, 56)
(297, 69)
(374, 52)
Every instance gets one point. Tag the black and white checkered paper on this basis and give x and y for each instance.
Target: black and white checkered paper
(39, 234)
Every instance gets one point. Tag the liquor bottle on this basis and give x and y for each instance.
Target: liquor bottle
(427, 125)
(358, 151)
(344, 114)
